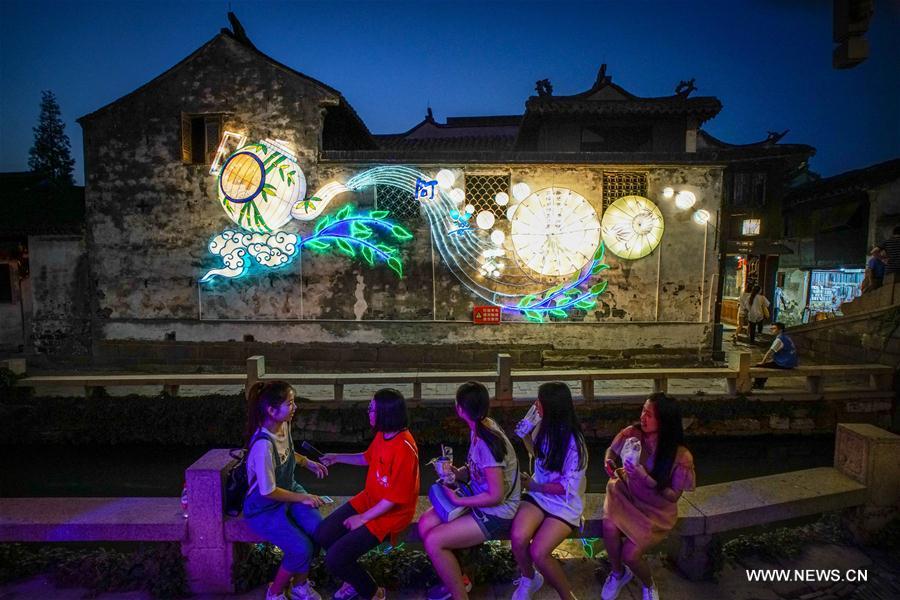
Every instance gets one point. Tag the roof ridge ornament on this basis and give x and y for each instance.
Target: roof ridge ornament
(602, 77)
(685, 88)
(238, 30)
(774, 137)
(543, 87)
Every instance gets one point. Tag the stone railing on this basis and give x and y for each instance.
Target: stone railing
(737, 377)
(865, 482)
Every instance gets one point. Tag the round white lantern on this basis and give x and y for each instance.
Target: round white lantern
(668, 193)
(445, 178)
(457, 195)
(701, 217)
(470, 209)
(685, 199)
(502, 198)
(632, 227)
(520, 191)
(498, 237)
(485, 219)
(511, 211)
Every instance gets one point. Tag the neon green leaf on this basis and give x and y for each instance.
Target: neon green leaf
(317, 245)
(599, 267)
(401, 233)
(322, 224)
(561, 299)
(345, 247)
(379, 214)
(387, 249)
(534, 316)
(368, 254)
(527, 300)
(344, 212)
(559, 314)
(601, 250)
(395, 265)
(599, 288)
(360, 231)
(586, 304)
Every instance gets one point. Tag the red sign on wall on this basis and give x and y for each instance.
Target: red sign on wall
(486, 315)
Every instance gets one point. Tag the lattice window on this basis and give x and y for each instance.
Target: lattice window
(401, 203)
(482, 189)
(616, 185)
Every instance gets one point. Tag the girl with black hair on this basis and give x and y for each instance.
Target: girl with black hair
(385, 507)
(641, 504)
(553, 498)
(277, 508)
(492, 471)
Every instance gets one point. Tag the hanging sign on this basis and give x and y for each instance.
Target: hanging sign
(486, 315)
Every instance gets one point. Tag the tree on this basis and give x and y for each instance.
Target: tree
(51, 153)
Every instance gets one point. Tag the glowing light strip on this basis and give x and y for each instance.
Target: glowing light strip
(222, 150)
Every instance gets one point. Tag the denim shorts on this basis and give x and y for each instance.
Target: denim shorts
(491, 526)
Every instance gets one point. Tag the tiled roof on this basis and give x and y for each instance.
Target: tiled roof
(849, 182)
(459, 143)
(703, 107)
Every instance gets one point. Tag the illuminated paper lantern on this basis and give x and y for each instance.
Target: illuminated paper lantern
(520, 191)
(445, 179)
(685, 199)
(701, 217)
(632, 227)
(485, 219)
(502, 198)
(259, 184)
(555, 231)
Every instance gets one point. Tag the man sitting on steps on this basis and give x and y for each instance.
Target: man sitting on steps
(781, 355)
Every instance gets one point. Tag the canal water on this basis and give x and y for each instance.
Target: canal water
(133, 470)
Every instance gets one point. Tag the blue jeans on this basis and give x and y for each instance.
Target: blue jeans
(291, 527)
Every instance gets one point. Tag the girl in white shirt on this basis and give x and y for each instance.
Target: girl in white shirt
(553, 498)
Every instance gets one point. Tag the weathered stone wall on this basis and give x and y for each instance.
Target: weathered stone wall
(872, 337)
(150, 218)
(60, 323)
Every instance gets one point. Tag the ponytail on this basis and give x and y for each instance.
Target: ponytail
(474, 400)
(260, 396)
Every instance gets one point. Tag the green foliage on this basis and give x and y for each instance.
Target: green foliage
(51, 154)
(157, 568)
(786, 542)
(399, 568)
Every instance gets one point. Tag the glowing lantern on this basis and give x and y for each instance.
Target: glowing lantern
(457, 195)
(485, 219)
(685, 199)
(445, 179)
(470, 209)
(502, 198)
(258, 186)
(555, 231)
(520, 191)
(668, 193)
(498, 237)
(511, 211)
(632, 227)
(701, 217)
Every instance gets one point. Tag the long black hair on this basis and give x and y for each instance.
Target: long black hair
(390, 411)
(670, 437)
(558, 426)
(474, 400)
(753, 293)
(263, 395)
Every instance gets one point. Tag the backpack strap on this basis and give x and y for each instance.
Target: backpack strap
(256, 437)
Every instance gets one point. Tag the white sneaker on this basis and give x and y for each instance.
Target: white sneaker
(304, 591)
(526, 587)
(614, 583)
(271, 596)
(650, 593)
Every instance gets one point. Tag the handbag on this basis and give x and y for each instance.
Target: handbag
(237, 484)
(765, 312)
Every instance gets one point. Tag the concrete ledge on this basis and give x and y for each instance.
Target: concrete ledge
(91, 519)
(762, 500)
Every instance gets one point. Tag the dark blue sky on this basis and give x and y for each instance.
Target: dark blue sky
(768, 61)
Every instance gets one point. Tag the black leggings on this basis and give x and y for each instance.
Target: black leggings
(343, 549)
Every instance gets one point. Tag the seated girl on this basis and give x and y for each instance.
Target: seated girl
(641, 504)
(553, 498)
(492, 471)
(385, 507)
(277, 508)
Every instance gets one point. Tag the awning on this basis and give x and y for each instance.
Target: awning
(757, 246)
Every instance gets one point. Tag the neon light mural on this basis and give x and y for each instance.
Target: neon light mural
(544, 260)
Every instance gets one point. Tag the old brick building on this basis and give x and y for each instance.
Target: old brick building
(151, 210)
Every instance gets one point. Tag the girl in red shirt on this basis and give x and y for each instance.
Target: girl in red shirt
(385, 507)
